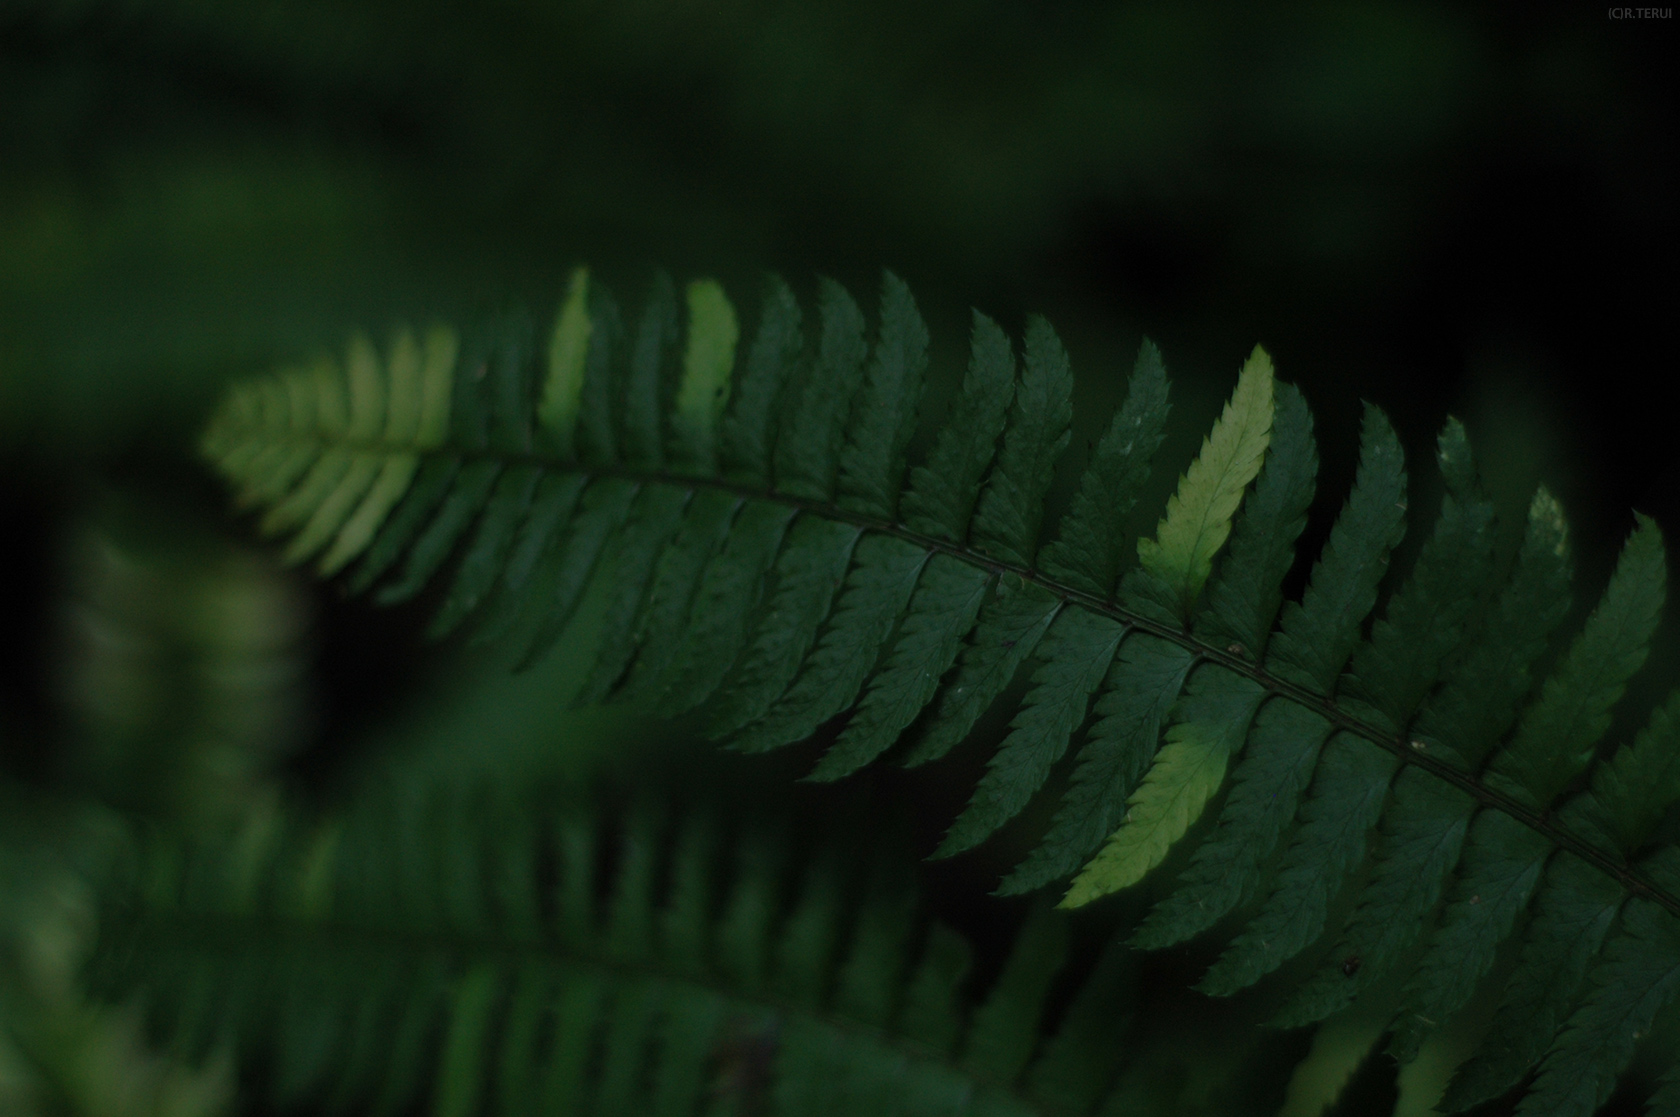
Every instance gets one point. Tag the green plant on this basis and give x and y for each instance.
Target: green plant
(503, 954)
(763, 556)
(179, 669)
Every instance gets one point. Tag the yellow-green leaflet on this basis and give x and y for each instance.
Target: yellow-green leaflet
(437, 379)
(1198, 518)
(367, 391)
(416, 418)
(1186, 773)
(707, 365)
(1338, 1048)
(562, 396)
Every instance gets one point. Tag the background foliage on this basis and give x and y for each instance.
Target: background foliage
(1439, 208)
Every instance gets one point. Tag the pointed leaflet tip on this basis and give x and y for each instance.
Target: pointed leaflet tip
(1198, 518)
(941, 497)
(1088, 551)
(366, 379)
(1634, 790)
(748, 428)
(437, 382)
(1559, 731)
(707, 363)
(811, 432)
(1008, 515)
(884, 413)
(1545, 515)
(568, 351)
(1458, 468)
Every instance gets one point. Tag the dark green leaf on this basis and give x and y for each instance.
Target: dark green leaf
(1075, 655)
(1011, 624)
(884, 572)
(552, 506)
(1479, 701)
(1638, 975)
(808, 445)
(1006, 521)
(1573, 912)
(508, 389)
(428, 489)
(1422, 836)
(1090, 551)
(1634, 790)
(465, 500)
(1557, 733)
(1428, 617)
(653, 519)
(1503, 860)
(884, 416)
(1348, 793)
(485, 558)
(469, 419)
(1005, 1028)
(1266, 788)
(804, 583)
(809, 941)
(1142, 686)
(748, 430)
(1077, 1063)
(932, 1012)
(942, 493)
(652, 375)
(704, 528)
(942, 613)
(729, 590)
(684, 1058)
(1666, 1101)
(600, 407)
(745, 926)
(1317, 635)
(559, 580)
(868, 985)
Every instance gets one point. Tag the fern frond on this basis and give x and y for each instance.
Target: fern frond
(773, 557)
(491, 956)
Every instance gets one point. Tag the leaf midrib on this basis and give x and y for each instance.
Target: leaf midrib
(1540, 822)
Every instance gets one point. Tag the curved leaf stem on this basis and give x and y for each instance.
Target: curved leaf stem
(1326, 707)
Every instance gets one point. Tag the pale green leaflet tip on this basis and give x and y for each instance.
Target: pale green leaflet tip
(366, 378)
(1177, 788)
(568, 350)
(707, 364)
(1545, 510)
(437, 382)
(1198, 518)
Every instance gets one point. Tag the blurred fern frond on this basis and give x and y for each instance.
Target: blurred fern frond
(491, 955)
(181, 666)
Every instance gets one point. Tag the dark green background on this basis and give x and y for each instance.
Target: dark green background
(1405, 201)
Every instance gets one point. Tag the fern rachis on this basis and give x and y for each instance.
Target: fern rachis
(776, 562)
